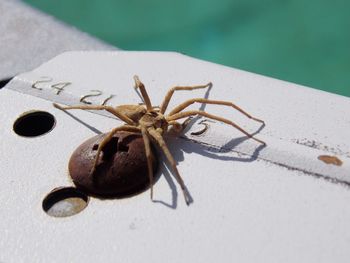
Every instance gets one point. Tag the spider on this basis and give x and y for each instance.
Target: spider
(152, 123)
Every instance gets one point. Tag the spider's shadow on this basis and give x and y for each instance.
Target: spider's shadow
(93, 129)
(178, 147)
(227, 147)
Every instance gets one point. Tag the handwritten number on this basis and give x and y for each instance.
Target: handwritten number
(59, 87)
(94, 94)
(46, 80)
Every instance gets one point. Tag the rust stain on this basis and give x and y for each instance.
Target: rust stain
(330, 160)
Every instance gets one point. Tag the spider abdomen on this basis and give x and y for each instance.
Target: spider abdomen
(134, 112)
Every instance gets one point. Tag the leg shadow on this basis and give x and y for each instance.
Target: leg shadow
(93, 129)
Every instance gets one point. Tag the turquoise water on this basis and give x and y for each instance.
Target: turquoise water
(305, 42)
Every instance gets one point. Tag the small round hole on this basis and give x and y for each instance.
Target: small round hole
(34, 123)
(63, 202)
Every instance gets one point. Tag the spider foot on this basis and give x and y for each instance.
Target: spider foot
(187, 196)
(58, 106)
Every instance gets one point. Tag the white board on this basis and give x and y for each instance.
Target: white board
(279, 203)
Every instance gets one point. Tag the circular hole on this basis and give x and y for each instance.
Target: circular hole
(34, 123)
(63, 202)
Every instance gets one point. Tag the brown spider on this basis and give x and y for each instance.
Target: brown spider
(152, 122)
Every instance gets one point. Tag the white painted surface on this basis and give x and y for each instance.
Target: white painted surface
(245, 209)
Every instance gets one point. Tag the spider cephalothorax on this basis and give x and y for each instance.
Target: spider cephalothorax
(152, 123)
(154, 119)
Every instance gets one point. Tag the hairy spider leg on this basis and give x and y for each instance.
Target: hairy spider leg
(170, 93)
(185, 114)
(141, 86)
(108, 138)
(148, 156)
(159, 139)
(185, 104)
(179, 127)
(110, 109)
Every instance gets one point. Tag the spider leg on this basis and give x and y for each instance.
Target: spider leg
(110, 109)
(175, 126)
(210, 116)
(170, 93)
(153, 107)
(159, 139)
(184, 105)
(106, 139)
(141, 86)
(179, 127)
(149, 157)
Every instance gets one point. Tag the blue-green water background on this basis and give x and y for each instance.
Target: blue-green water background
(302, 41)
